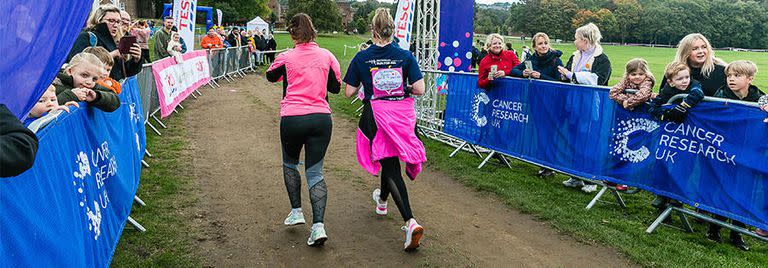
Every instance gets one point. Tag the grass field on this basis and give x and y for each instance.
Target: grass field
(563, 208)
(169, 241)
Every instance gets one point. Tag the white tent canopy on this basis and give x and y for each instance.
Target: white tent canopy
(257, 24)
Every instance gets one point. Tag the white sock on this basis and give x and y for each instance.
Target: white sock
(317, 225)
(296, 210)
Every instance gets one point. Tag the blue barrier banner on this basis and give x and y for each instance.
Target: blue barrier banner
(716, 160)
(36, 38)
(70, 208)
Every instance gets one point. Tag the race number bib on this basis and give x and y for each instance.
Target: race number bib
(387, 82)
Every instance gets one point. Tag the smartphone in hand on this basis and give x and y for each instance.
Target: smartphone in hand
(125, 44)
(494, 68)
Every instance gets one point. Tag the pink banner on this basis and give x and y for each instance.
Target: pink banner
(175, 81)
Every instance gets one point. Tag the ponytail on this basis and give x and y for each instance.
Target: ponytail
(382, 26)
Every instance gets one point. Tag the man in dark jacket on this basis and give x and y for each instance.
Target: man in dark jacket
(271, 46)
(18, 145)
(235, 39)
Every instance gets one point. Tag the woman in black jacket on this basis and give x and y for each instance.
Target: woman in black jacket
(696, 51)
(103, 29)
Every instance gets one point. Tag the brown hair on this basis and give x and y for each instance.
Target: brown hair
(638, 64)
(536, 37)
(102, 54)
(673, 68)
(301, 28)
(382, 26)
(741, 67)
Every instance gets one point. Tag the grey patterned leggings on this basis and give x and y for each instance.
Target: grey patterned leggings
(313, 133)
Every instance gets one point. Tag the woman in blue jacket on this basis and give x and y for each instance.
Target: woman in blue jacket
(544, 61)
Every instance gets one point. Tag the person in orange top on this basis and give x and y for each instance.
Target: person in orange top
(211, 40)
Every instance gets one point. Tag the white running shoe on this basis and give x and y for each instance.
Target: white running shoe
(574, 182)
(413, 233)
(589, 188)
(381, 208)
(294, 218)
(318, 236)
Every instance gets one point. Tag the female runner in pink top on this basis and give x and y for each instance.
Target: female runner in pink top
(308, 73)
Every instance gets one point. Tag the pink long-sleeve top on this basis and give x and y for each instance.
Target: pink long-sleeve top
(308, 73)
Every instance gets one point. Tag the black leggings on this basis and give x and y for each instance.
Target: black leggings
(313, 132)
(392, 184)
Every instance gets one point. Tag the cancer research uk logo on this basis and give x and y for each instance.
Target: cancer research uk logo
(481, 121)
(96, 168)
(675, 142)
(620, 139)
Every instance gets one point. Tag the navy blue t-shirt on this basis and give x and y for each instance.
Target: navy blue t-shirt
(388, 64)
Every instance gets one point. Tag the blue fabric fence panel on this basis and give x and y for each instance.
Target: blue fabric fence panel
(716, 160)
(70, 208)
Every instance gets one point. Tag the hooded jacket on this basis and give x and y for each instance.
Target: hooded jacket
(695, 95)
(105, 100)
(504, 61)
(545, 64)
(753, 94)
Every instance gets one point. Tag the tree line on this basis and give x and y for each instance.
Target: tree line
(727, 23)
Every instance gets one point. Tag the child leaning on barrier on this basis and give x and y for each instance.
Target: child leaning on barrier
(739, 76)
(104, 79)
(637, 76)
(679, 81)
(77, 82)
(46, 104)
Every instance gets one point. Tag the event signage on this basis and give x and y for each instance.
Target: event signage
(71, 207)
(455, 37)
(37, 37)
(404, 23)
(175, 81)
(184, 15)
(219, 14)
(709, 161)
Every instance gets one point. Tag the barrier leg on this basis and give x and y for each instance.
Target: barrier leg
(144, 163)
(659, 220)
(486, 160)
(181, 106)
(721, 223)
(139, 201)
(359, 109)
(686, 225)
(154, 129)
(505, 161)
(474, 149)
(198, 92)
(597, 197)
(159, 122)
(148, 154)
(193, 95)
(619, 200)
(458, 149)
(136, 225)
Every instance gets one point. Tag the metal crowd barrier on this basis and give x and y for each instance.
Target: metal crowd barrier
(430, 113)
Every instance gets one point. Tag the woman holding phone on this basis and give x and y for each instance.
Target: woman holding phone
(543, 63)
(498, 62)
(104, 29)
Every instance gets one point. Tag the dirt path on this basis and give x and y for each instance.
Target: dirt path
(242, 202)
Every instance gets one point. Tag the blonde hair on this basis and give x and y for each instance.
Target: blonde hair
(99, 12)
(742, 67)
(84, 57)
(675, 67)
(685, 47)
(537, 36)
(489, 40)
(638, 64)
(382, 26)
(102, 54)
(590, 33)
